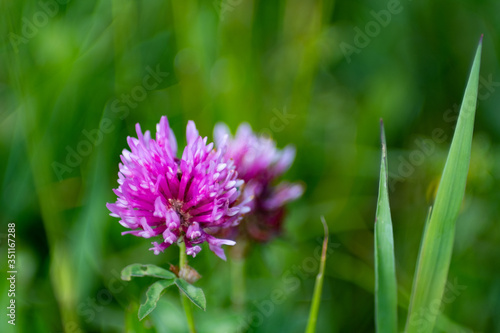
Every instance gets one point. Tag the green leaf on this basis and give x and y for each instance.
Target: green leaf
(318, 286)
(139, 270)
(386, 299)
(152, 296)
(437, 242)
(194, 294)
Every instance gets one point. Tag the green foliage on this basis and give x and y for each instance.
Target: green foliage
(437, 242)
(156, 289)
(153, 296)
(139, 270)
(318, 286)
(194, 294)
(386, 301)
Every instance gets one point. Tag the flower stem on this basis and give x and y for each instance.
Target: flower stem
(237, 265)
(185, 301)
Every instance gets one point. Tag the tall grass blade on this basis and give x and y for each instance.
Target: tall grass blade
(318, 286)
(437, 242)
(386, 298)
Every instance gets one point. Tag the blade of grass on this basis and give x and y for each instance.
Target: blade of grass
(386, 299)
(437, 242)
(318, 286)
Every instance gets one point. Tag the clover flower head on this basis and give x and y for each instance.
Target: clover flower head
(259, 163)
(177, 200)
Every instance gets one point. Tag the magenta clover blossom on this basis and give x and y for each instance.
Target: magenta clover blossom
(180, 200)
(259, 163)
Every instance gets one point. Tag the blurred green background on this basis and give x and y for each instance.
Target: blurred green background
(318, 74)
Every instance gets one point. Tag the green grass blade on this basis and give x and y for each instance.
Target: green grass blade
(386, 299)
(318, 286)
(437, 242)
